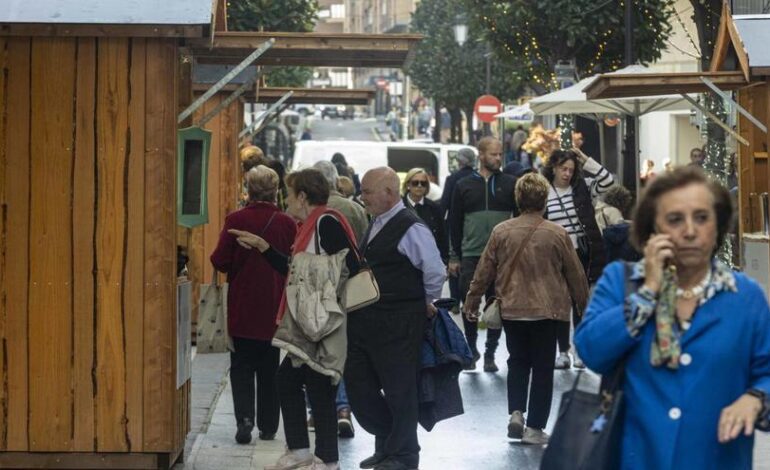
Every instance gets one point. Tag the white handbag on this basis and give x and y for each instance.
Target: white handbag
(361, 290)
(491, 315)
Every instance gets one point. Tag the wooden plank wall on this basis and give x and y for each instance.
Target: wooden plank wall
(753, 165)
(87, 246)
(223, 192)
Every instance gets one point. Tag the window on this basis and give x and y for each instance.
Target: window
(193, 145)
(338, 11)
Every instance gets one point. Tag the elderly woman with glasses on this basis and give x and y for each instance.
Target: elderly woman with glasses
(692, 336)
(415, 191)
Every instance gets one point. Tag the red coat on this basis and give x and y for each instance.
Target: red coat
(255, 288)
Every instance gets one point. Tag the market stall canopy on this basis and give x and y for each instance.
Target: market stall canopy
(573, 100)
(308, 49)
(135, 18)
(304, 95)
(613, 86)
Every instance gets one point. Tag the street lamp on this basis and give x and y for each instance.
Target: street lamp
(461, 30)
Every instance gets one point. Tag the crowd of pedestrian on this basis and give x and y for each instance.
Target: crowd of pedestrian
(689, 337)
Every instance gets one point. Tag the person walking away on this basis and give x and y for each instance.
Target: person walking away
(611, 212)
(692, 336)
(575, 179)
(415, 189)
(466, 161)
(384, 339)
(479, 202)
(314, 365)
(253, 297)
(536, 272)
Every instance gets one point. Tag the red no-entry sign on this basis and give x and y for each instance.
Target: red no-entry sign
(487, 107)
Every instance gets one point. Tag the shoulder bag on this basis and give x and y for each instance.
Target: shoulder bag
(589, 427)
(362, 289)
(491, 315)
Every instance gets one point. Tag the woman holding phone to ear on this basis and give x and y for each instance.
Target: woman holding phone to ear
(693, 336)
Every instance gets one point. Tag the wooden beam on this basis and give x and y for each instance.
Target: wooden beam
(310, 49)
(303, 95)
(723, 40)
(80, 460)
(102, 30)
(651, 84)
(740, 49)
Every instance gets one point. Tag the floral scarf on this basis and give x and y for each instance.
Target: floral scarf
(666, 348)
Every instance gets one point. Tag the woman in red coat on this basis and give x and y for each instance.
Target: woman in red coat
(254, 294)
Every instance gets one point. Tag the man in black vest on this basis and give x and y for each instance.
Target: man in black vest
(384, 339)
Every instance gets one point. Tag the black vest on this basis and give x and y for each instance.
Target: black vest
(398, 279)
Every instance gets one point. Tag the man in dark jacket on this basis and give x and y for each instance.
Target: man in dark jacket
(479, 202)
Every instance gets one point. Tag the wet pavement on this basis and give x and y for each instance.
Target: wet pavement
(475, 440)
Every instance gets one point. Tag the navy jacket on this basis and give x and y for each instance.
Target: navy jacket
(444, 354)
(449, 187)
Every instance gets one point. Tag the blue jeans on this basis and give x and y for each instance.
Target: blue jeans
(341, 401)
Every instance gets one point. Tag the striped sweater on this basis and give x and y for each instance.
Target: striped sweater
(598, 179)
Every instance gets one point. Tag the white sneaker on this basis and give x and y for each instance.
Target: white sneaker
(516, 425)
(292, 459)
(562, 361)
(534, 437)
(577, 363)
(319, 464)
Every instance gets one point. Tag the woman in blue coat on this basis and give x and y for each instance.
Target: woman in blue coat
(695, 335)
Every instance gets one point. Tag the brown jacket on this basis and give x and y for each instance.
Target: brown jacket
(548, 274)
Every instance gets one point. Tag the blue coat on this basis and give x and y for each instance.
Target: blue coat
(444, 353)
(672, 415)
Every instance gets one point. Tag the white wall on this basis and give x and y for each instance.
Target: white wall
(667, 135)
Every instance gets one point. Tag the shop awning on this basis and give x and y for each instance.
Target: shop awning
(633, 85)
(308, 49)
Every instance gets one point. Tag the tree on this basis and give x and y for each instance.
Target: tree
(539, 34)
(452, 75)
(270, 15)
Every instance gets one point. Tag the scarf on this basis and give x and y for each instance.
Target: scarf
(665, 348)
(305, 233)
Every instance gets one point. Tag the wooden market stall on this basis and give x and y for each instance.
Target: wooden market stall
(231, 48)
(89, 369)
(741, 62)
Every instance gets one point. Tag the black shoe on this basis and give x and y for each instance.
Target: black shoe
(472, 365)
(264, 436)
(243, 436)
(489, 365)
(391, 464)
(373, 461)
(345, 423)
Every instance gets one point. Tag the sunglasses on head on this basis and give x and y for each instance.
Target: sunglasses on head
(415, 183)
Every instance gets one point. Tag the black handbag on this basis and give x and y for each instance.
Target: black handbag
(589, 426)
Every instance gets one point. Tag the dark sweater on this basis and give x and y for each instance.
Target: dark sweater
(431, 215)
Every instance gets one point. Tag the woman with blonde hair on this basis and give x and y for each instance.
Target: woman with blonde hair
(414, 191)
(538, 277)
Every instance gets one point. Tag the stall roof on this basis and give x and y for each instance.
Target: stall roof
(303, 95)
(308, 49)
(98, 17)
(632, 85)
(754, 31)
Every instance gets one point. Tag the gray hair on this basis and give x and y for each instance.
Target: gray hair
(329, 171)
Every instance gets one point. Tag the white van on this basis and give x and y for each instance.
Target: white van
(439, 160)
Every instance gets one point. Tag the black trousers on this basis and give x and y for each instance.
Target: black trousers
(252, 359)
(531, 350)
(321, 395)
(562, 330)
(381, 376)
(467, 269)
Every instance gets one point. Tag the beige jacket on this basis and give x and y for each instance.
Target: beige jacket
(548, 276)
(353, 212)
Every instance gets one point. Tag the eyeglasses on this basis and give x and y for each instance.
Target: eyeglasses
(417, 183)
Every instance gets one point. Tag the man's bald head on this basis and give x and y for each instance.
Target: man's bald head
(380, 190)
